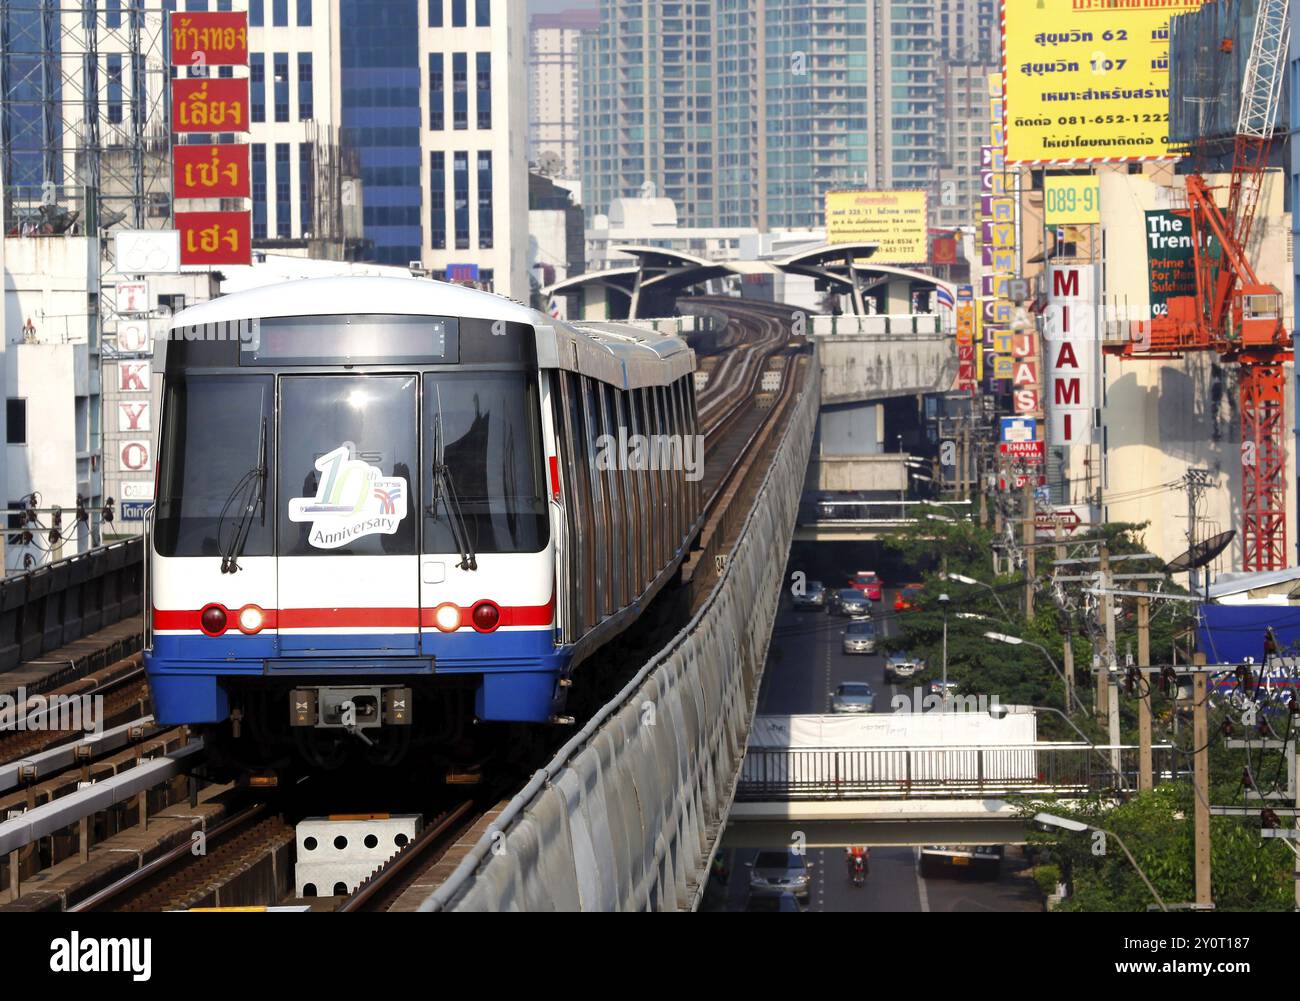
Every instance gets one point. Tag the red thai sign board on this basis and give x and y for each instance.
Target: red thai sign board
(210, 172)
(209, 39)
(210, 105)
(209, 238)
(1023, 449)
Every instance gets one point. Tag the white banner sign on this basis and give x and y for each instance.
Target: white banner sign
(137, 489)
(133, 376)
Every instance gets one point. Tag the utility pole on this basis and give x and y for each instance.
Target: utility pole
(1110, 666)
(1197, 481)
(1201, 780)
(1067, 638)
(1101, 659)
(1029, 549)
(1144, 690)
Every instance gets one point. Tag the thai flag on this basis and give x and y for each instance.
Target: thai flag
(943, 297)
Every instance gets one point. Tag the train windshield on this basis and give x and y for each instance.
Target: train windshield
(484, 427)
(216, 439)
(348, 455)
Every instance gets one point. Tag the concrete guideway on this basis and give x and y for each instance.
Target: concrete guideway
(628, 814)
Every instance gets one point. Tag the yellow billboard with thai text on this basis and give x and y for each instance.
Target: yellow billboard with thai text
(895, 220)
(1087, 81)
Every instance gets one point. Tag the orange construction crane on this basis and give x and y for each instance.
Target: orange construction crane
(1233, 313)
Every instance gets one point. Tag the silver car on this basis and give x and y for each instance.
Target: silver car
(814, 596)
(853, 603)
(853, 697)
(902, 666)
(775, 873)
(860, 637)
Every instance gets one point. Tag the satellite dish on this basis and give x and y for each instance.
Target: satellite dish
(1201, 553)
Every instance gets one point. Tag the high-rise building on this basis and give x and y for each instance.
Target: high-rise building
(969, 51)
(648, 105)
(435, 105)
(554, 91)
(747, 112)
(306, 192)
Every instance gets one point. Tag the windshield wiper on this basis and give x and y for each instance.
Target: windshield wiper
(250, 493)
(444, 491)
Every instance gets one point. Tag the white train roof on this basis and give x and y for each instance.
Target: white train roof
(623, 355)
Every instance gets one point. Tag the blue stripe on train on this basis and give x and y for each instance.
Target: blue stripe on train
(519, 668)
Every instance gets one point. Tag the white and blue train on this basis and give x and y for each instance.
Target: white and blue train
(382, 512)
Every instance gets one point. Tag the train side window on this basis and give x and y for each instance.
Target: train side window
(592, 422)
(571, 574)
(582, 480)
(632, 499)
(649, 490)
(693, 418)
(663, 509)
(614, 464)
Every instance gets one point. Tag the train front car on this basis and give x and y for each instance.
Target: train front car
(358, 515)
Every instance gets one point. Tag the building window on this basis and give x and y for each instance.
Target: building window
(304, 13)
(458, 13)
(435, 13)
(257, 86)
(282, 186)
(483, 103)
(16, 421)
(279, 13)
(460, 206)
(306, 189)
(437, 99)
(114, 87)
(259, 191)
(304, 87)
(483, 13)
(113, 14)
(485, 200)
(256, 13)
(281, 67)
(437, 200)
(459, 90)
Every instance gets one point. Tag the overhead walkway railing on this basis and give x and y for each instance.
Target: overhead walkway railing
(628, 813)
(880, 513)
(788, 774)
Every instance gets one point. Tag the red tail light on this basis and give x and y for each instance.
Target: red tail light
(212, 620)
(485, 616)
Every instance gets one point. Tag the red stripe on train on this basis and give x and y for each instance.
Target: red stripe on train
(343, 618)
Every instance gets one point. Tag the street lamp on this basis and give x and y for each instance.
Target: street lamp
(1017, 641)
(943, 603)
(963, 579)
(1078, 826)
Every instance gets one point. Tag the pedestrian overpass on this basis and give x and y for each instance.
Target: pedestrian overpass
(916, 796)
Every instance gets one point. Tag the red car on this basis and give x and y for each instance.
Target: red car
(907, 597)
(867, 582)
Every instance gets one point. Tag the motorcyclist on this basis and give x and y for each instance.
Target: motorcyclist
(856, 858)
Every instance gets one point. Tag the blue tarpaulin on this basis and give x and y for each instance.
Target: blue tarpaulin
(1228, 634)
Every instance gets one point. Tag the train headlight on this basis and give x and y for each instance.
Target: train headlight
(447, 618)
(485, 617)
(251, 619)
(212, 620)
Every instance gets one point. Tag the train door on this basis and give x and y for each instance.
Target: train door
(348, 506)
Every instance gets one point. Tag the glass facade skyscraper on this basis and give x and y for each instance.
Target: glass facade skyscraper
(760, 107)
(381, 119)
